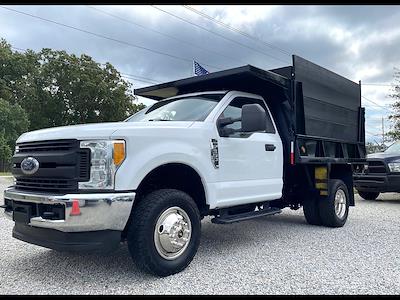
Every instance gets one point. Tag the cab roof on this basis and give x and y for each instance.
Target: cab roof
(246, 78)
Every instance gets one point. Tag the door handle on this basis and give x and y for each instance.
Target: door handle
(270, 147)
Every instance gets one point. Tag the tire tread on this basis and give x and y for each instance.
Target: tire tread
(137, 231)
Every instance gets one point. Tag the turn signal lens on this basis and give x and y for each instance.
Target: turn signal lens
(119, 152)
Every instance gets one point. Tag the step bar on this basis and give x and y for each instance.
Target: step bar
(228, 219)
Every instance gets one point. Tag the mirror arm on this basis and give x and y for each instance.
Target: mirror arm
(226, 132)
(228, 121)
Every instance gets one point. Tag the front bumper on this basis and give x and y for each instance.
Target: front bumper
(89, 241)
(98, 211)
(381, 183)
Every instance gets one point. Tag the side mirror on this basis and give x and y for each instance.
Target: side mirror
(254, 118)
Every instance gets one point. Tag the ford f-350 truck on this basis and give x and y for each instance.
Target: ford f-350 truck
(234, 145)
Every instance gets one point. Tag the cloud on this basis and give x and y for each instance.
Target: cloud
(359, 42)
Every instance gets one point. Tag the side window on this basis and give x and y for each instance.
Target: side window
(234, 111)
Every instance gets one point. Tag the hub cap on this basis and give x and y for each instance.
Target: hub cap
(172, 233)
(340, 203)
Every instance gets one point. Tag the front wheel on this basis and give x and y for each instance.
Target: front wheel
(368, 195)
(164, 234)
(334, 208)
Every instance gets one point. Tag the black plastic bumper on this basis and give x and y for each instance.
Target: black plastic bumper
(377, 183)
(90, 241)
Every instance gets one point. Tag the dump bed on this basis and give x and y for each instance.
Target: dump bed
(318, 112)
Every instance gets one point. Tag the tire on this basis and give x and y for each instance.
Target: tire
(311, 210)
(330, 216)
(368, 195)
(147, 246)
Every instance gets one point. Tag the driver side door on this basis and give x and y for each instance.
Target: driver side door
(250, 164)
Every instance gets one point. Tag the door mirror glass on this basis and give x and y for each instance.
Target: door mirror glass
(254, 118)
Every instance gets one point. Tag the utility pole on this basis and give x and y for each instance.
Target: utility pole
(383, 134)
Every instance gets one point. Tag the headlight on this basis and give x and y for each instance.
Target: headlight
(105, 158)
(394, 166)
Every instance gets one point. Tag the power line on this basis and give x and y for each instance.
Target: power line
(378, 84)
(375, 103)
(217, 34)
(106, 37)
(235, 29)
(373, 134)
(164, 34)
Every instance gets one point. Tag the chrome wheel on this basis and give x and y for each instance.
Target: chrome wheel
(172, 233)
(340, 203)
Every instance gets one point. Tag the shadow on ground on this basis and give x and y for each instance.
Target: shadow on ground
(221, 239)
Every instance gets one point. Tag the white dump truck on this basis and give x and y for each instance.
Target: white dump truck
(233, 145)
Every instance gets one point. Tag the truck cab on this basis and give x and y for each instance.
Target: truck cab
(233, 145)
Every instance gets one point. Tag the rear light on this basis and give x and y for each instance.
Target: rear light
(292, 153)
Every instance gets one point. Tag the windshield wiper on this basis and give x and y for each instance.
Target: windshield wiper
(158, 120)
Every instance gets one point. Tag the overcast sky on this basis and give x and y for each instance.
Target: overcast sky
(358, 42)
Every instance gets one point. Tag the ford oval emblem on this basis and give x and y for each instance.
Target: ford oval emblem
(29, 165)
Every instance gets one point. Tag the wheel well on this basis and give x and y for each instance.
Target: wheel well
(175, 176)
(172, 176)
(345, 173)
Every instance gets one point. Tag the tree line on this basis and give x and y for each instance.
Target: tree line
(53, 88)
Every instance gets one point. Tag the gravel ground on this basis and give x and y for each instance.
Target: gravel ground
(278, 254)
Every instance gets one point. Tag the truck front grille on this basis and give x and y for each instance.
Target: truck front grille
(376, 167)
(46, 184)
(47, 146)
(62, 164)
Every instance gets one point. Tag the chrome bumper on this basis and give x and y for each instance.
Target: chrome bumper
(100, 211)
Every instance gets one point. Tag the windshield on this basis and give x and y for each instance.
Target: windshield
(394, 148)
(193, 108)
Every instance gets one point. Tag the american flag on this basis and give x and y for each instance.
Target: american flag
(199, 70)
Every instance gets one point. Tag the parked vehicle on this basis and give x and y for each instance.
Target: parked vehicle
(381, 175)
(234, 145)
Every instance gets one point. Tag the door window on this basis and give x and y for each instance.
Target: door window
(234, 111)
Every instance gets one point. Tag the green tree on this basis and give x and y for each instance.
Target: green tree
(5, 152)
(53, 88)
(76, 90)
(394, 134)
(13, 122)
(56, 88)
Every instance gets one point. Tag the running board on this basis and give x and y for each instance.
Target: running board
(227, 219)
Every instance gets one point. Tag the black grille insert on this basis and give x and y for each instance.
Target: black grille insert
(84, 165)
(62, 164)
(43, 184)
(376, 167)
(49, 146)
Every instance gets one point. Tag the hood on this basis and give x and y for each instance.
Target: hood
(94, 131)
(384, 156)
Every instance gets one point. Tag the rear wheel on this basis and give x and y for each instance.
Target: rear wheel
(334, 208)
(164, 234)
(311, 210)
(368, 195)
